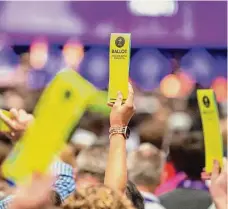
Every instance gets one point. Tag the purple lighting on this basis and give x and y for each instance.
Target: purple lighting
(148, 68)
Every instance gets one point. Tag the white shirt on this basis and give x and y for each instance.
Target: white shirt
(151, 201)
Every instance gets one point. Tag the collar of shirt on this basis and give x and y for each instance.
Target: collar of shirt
(150, 197)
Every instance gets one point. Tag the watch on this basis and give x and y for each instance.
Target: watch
(125, 131)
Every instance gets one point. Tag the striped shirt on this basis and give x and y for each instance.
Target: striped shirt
(63, 186)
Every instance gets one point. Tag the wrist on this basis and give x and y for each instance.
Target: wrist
(118, 124)
(120, 130)
(116, 135)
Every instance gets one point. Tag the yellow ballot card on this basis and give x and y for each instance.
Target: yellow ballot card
(59, 109)
(3, 126)
(211, 127)
(119, 63)
(98, 103)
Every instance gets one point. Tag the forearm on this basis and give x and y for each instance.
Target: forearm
(116, 170)
(15, 202)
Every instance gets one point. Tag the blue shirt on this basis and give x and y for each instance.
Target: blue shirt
(64, 185)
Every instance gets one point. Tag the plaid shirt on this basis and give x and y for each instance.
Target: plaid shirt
(64, 185)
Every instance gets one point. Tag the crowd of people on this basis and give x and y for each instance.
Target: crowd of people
(154, 168)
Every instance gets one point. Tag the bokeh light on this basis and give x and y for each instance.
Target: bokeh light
(200, 65)
(170, 86)
(219, 86)
(148, 68)
(187, 84)
(38, 54)
(95, 67)
(73, 53)
(221, 66)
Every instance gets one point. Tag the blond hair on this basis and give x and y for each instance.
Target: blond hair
(97, 197)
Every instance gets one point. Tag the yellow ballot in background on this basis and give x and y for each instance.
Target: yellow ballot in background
(3, 126)
(98, 103)
(211, 127)
(119, 63)
(57, 112)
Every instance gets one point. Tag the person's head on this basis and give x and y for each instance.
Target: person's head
(82, 139)
(93, 122)
(91, 163)
(145, 167)
(152, 131)
(187, 154)
(134, 195)
(97, 197)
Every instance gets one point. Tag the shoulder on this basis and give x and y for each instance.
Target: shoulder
(168, 195)
(185, 192)
(153, 205)
(58, 167)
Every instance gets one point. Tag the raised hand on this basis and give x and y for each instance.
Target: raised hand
(122, 113)
(218, 187)
(116, 169)
(37, 194)
(18, 122)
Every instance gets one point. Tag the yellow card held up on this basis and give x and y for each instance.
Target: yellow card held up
(211, 127)
(3, 126)
(119, 63)
(59, 109)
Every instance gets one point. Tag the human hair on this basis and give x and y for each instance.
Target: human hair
(134, 195)
(187, 154)
(152, 131)
(93, 160)
(97, 197)
(94, 122)
(145, 165)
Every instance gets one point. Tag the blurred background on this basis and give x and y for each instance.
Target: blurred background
(177, 47)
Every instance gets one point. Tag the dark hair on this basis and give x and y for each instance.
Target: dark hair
(151, 131)
(56, 199)
(134, 195)
(187, 154)
(93, 122)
